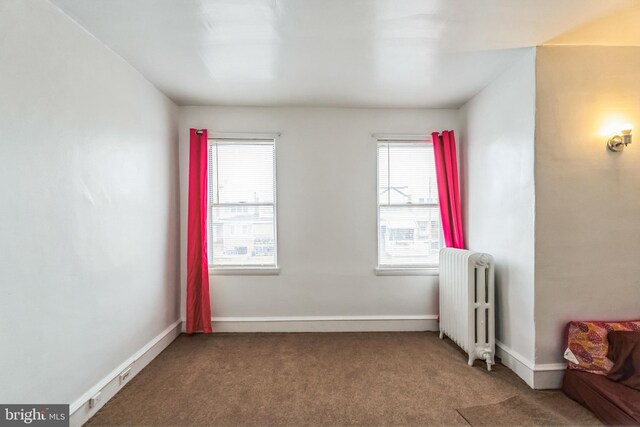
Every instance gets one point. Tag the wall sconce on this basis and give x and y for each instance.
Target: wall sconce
(618, 142)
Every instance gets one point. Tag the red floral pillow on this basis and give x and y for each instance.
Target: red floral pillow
(587, 344)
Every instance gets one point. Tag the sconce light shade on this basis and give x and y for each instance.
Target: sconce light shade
(618, 142)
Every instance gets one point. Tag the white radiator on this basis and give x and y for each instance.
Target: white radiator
(467, 314)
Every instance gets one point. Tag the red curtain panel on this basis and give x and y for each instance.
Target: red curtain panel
(198, 303)
(444, 148)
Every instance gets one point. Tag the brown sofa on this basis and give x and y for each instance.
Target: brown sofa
(613, 403)
(609, 387)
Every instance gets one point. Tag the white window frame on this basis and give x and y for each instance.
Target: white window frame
(401, 270)
(249, 270)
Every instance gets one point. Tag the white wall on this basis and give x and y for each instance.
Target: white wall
(88, 207)
(497, 175)
(326, 177)
(587, 198)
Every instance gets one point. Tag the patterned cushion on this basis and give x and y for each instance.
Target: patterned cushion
(587, 344)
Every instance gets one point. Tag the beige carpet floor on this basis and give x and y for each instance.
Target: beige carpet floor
(328, 379)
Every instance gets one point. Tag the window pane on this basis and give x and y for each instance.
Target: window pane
(245, 173)
(412, 177)
(408, 235)
(242, 235)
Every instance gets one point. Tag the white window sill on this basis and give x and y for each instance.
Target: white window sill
(244, 271)
(406, 271)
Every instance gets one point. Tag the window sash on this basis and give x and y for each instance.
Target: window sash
(235, 235)
(250, 139)
(385, 202)
(416, 239)
(215, 143)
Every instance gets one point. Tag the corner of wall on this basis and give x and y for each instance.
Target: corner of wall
(497, 152)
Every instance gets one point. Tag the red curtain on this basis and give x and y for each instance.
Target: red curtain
(444, 147)
(198, 303)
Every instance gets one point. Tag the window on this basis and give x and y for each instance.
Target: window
(242, 203)
(408, 211)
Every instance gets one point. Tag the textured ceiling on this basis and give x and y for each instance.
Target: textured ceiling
(352, 53)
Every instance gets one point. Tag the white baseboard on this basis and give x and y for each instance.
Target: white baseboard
(545, 379)
(516, 362)
(326, 323)
(537, 376)
(110, 385)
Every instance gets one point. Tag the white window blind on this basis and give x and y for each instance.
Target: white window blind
(409, 232)
(242, 201)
